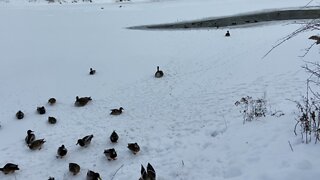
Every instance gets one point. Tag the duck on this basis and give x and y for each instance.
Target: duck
(36, 144)
(82, 101)
(52, 120)
(20, 115)
(74, 168)
(30, 137)
(114, 137)
(116, 111)
(111, 154)
(316, 38)
(134, 147)
(92, 71)
(91, 175)
(51, 178)
(85, 141)
(62, 151)
(52, 101)
(227, 34)
(41, 110)
(150, 174)
(159, 73)
(9, 168)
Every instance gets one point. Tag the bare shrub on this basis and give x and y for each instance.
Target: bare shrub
(252, 109)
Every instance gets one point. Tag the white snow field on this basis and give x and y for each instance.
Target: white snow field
(186, 123)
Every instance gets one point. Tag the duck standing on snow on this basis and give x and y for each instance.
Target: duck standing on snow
(62, 151)
(20, 115)
(52, 101)
(91, 175)
(111, 154)
(82, 101)
(114, 137)
(227, 34)
(52, 120)
(74, 168)
(85, 141)
(37, 144)
(30, 137)
(116, 111)
(150, 174)
(159, 73)
(92, 71)
(9, 168)
(41, 110)
(134, 147)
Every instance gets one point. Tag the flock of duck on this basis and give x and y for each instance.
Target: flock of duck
(74, 168)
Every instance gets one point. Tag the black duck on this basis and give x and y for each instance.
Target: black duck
(158, 73)
(41, 110)
(30, 137)
(116, 111)
(92, 71)
(62, 151)
(227, 34)
(114, 137)
(20, 115)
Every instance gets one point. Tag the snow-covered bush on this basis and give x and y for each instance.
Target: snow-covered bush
(308, 119)
(252, 108)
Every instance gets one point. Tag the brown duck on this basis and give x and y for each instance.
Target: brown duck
(37, 144)
(91, 175)
(111, 154)
(74, 168)
(150, 174)
(52, 120)
(82, 101)
(134, 147)
(9, 168)
(52, 101)
(85, 141)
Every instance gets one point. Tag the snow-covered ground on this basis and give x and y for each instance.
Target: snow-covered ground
(186, 123)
